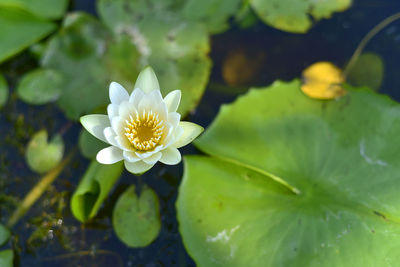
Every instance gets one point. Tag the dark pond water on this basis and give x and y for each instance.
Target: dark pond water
(62, 241)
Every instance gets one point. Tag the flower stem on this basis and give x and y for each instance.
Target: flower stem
(38, 190)
(375, 30)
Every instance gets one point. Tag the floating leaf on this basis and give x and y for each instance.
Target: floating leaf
(20, 29)
(4, 235)
(40, 86)
(3, 91)
(41, 8)
(339, 154)
(177, 49)
(136, 220)
(90, 145)
(323, 80)
(93, 189)
(294, 16)
(76, 52)
(6, 258)
(367, 71)
(41, 155)
(245, 17)
(80, 52)
(214, 14)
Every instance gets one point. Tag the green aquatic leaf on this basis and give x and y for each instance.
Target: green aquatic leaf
(76, 51)
(49, 9)
(3, 91)
(20, 29)
(93, 189)
(42, 155)
(90, 145)
(341, 155)
(296, 16)
(214, 14)
(176, 48)
(6, 258)
(4, 235)
(85, 54)
(367, 71)
(136, 220)
(40, 86)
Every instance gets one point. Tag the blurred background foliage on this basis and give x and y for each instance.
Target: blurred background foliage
(57, 60)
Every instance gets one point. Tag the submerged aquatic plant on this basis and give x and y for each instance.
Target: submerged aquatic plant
(142, 128)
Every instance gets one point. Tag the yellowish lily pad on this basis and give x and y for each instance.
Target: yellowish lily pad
(323, 80)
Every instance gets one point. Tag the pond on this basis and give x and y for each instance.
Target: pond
(278, 178)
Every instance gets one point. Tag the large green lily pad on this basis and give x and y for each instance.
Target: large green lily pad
(213, 14)
(235, 209)
(80, 52)
(175, 47)
(19, 29)
(41, 8)
(296, 16)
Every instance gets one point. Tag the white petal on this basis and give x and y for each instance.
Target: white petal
(125, 109)
(190, 132)
(137, 167)
(118, 125)
(174, 118)
(150, 101)
(170, 156)
(112, 110)
(124, 143)
(147, 80)
(161, 110)
(95, 124)
(173, 136)
(118, 93)
(153, 158)
(130, 156)
(109, 155)
(136, 97)
(110, 136)
(172, 100)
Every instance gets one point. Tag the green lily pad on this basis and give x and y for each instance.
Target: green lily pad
(3, 91)
(296, 16)
(239, 207)
(93, 189)
(136, 220)
(214, 14)
(176, 48)
(85, 54)
(40, 86)
(4, 235)
(6, 258)
(41, 8)
(367, 71)
(41, 155)
(20, 29)
(90, 145)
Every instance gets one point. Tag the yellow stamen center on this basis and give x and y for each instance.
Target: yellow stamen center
(144, 131)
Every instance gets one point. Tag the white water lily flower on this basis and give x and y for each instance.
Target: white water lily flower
(142, 128)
